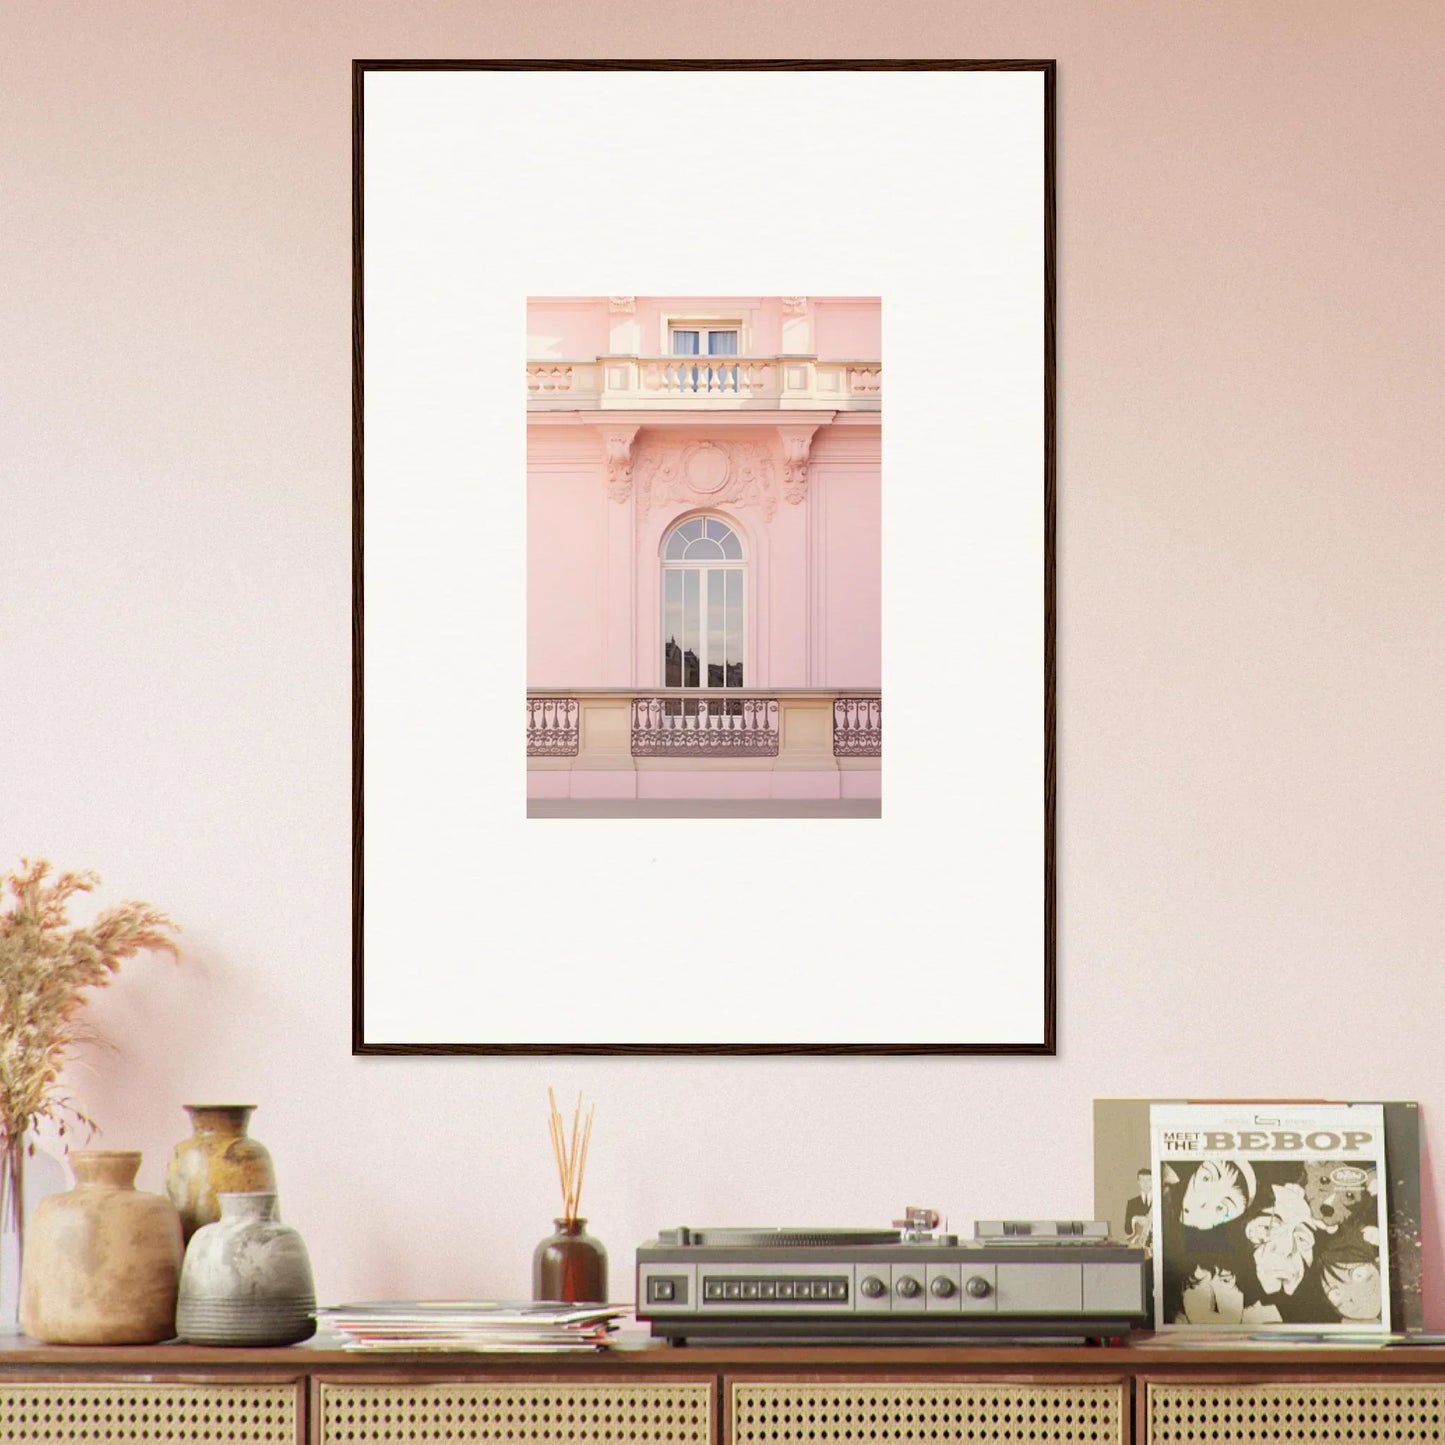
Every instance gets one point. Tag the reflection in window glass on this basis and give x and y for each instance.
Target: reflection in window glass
(734, 643)
(692, 530)
(716, 620)
(704, 551)
(672, 629)
(676, 547)
(691, 629)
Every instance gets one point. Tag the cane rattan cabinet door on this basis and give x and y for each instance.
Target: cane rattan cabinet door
(901, 1412)
(515, 1412)
(148, 1412)
(1307, 1413)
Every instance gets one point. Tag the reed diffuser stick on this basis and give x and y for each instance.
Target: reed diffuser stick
(570, 1151)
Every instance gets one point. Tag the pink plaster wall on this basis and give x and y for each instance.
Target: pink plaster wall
(1250, 600)
(846, 328)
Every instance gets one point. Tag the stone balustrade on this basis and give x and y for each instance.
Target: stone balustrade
(779, 383)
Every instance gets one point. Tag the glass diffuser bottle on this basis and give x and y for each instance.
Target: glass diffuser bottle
(569, 1265)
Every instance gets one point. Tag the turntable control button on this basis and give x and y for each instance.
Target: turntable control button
(978, 1287)
(872, 1287)
(908, 1287)
(942, 1286)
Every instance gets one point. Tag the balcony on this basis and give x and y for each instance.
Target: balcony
(712, 383)
(687, 723)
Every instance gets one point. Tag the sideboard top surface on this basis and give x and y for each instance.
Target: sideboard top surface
(646, 1356)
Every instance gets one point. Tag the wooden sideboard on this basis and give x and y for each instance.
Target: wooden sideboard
(649, 1394)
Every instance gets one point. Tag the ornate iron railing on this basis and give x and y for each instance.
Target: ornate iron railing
(858, 727)
(551, 727)
(705, 727)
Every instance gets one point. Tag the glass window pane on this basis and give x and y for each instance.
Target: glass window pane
(734, 626)
(684, 343)
(676, 546)
(732, 548)
(722, 343)
(691, 628)
(690, 530)
(716, 530)
(715, 623)
(704, 551)
(672, 629)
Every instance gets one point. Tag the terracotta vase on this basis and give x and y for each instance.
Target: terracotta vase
(570, 1265)
(103, 1262)
(219, 1157)
(246, 1279)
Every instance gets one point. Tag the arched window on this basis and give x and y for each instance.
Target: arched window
(702, 605)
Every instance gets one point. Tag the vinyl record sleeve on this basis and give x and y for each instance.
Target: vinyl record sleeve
(1270, 1217)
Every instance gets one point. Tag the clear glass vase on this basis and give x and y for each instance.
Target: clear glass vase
(12, 1231)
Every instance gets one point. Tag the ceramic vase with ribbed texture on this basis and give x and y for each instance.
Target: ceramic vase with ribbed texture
(220, 1156)
(103, 1262)
(247, 1279)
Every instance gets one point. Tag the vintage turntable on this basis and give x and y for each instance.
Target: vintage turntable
(1014, 1279)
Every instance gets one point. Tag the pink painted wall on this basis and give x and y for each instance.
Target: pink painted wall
(846, 328)
(1250, 602)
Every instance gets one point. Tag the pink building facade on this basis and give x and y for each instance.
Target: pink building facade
(703, 548)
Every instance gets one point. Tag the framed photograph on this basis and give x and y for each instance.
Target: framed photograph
(625, 334)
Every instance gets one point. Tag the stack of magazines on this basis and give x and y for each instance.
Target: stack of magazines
(513, 1326)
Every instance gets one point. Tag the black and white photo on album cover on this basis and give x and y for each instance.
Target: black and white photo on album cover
(1270, 1218)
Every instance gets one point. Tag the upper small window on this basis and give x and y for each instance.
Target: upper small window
(704, 340)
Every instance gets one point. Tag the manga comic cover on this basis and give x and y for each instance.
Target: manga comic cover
(1270, 1217)
(1124, 1185)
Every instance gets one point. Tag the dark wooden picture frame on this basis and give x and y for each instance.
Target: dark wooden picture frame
(371, 966)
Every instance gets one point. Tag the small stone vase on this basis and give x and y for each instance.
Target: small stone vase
(247, 1279)
(103, 1262)
(218, 1157)
(570, 1265)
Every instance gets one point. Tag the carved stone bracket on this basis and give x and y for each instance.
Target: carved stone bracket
(622, 305)
(797, 441)
(794, 305)
(617, 442)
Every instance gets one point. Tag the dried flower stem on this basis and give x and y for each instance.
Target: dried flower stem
(46, 971)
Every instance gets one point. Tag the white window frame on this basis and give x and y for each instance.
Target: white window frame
(703, 323)
(719, 564)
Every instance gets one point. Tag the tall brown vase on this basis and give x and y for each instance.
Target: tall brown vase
(103, 1262)
(570, 1265)
(220, 1157)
